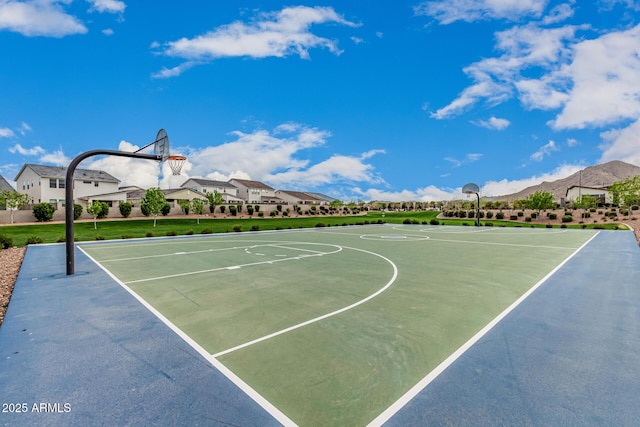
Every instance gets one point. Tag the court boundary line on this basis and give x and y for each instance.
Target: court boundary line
(392, 410)
(246, 388)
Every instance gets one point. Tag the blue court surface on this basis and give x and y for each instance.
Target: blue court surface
(83, 350)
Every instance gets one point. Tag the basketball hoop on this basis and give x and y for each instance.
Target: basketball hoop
(175, 163)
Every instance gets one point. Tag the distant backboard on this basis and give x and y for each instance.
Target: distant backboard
(161, 145)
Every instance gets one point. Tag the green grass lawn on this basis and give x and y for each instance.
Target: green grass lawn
(139, 228)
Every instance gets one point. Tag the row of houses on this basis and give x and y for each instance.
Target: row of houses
(48, 184)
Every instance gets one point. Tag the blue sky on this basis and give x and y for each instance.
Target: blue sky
(362, 100)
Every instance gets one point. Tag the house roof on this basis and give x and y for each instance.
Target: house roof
(140, 193)
(61, 172)
(4, 184)
(587, 188)
(301, 195)
(210, 182)
(323, 197)
(251, 184)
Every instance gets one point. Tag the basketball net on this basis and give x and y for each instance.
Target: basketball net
(175, 163)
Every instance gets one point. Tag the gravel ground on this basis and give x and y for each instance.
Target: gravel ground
(10, 262)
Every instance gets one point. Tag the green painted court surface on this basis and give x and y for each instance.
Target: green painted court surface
(331, 326)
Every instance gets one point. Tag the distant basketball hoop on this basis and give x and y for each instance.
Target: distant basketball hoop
(175, 163)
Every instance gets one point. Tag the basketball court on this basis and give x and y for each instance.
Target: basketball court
(368, 325)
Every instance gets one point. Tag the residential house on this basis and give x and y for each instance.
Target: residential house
(228, 191)
(602, 194)
(47, 183)
(4, 184)
(299, 198)
(255, 191)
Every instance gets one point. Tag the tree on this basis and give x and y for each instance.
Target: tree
(214, 200)
(626, 192)
(185, 205)
(154, 201)
(13, 201)
(77, 211)
(95, 209)
(197, 205)
(540, 200)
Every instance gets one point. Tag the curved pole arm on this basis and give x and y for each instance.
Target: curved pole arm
(69, 237)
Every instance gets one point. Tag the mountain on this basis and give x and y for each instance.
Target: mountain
(593, 176)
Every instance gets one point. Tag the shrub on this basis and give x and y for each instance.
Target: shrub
(127, 236)
(61, 239)
(237, 228)
(488, 224)
(171, 233)
(513, 217)
(233, 210)
(489, 214)
(551, 215)
(549, 226)
(563, 226)
(5, 242)
(144, 208)
(222, 209)
(634, 207)
(520, 213)
(434, 222)
(189, 233)
(206, 231)
(166, 208)
(255, 228)
(406, 221)
(320, 224)
(125, 209)
(104, 211)
(527, 219)
(567, 218)
(250, 210)
(99, 237)
(149, 234)
(273, 213)
(534, 215)
(43, 212)
(77, 211)
(500, 215)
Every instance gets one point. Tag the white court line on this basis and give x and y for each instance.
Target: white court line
(413, 392)
(248, 390)
(210, 270)
(325, 316)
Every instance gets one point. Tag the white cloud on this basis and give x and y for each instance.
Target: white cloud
(469, 158)
(165, 72)
(57, 158)
(503, 187)
(275, 158)
(606, 81)
(493, 123)
(38, 18)
(558, 14)
(622, 144)
(448, 11)
(572, 142)
(545, 150)
(109, 6)
(107, 32)
(6, 133)
(277, 34)
(131, 171)
(27, 151)
(24, 128)
(498, 79)
(357, 40)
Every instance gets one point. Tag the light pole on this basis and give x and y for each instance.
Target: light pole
(472, 188)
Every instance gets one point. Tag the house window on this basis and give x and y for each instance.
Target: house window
(61, 183)
(96, 184)
(86, 182)
(53, 183)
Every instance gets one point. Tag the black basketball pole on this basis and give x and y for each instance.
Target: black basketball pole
(69, 195)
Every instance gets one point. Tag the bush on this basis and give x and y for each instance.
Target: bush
(488, 224)
(189, 233)
(206, 231)
(171, 233)
(273, 213)
(127, 236)
(233, 210)
(489, 214)
(104, 211)
(34, 240)
(549, 226)
(406, 221)
(634, 207)
(125, 209)
(567, 218)
(77, 211)
(166, 209)
(527, 219)
(99, 237)
(237, 228)
(534, 215)
(500, 215)
(320, 224)
(520, 213)
(43, 212)
(222, 209)
(551, 215)
(513, 217)
(144, 208)
(149, 234)
(5, 242)
(250, 210)
(255, 228)
(563, 226)
(434, 222)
